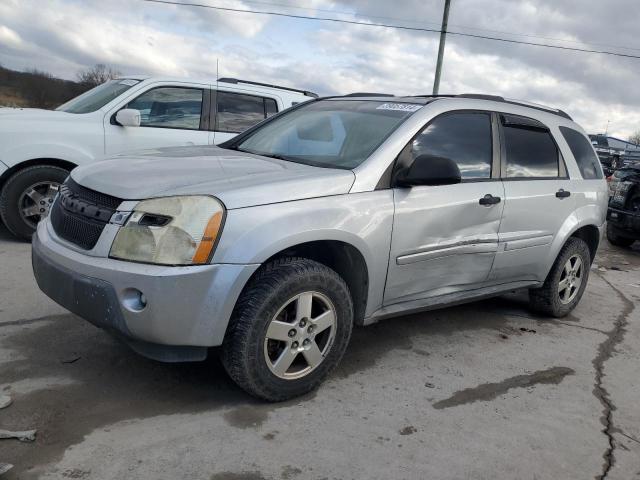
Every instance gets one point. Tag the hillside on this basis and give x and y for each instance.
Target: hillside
(35, 89)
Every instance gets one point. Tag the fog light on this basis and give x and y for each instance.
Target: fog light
(134, 300)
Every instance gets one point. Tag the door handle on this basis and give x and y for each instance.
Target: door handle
(563, 193)
(489, 200)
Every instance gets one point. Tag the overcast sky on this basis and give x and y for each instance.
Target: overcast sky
(64, 36)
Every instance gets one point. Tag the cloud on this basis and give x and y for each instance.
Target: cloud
(63, 36)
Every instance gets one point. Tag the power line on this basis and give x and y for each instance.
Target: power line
(423, 21)
(388, 25)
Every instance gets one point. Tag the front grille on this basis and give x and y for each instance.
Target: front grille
(79, 215)
(91, 196)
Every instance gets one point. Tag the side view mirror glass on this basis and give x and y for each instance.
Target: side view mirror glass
(430, 170)
(128, 117)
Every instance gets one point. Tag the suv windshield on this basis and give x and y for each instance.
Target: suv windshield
(97, 97)
(328, 133)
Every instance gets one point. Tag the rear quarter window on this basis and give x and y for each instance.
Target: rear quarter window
(583, 153)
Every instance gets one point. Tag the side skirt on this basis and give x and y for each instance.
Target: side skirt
(447, 300)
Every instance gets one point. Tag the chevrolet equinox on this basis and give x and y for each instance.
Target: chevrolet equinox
(340, 211)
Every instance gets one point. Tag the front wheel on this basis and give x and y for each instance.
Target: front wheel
(27, 197)
(289, 329)
(565, 283)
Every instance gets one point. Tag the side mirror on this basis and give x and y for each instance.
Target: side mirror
(430, 170)
(128, 117)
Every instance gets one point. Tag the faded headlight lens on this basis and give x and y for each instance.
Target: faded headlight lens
(170, 231)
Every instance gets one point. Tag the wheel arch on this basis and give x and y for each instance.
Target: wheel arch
(53, 162)
(590, 234)
(342, 257)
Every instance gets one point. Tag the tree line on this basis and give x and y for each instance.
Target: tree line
(39, 89)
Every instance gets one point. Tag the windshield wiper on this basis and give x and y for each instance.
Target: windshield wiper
(277, 156)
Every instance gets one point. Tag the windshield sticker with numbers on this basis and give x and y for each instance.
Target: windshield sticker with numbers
(402, 107)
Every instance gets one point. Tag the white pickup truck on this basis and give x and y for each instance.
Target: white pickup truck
(38, 148)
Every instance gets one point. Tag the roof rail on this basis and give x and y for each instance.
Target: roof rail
(235, 80)
(368, 94)
(497, 98)
(481, 96)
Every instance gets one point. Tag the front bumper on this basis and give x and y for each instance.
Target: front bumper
(187, 308)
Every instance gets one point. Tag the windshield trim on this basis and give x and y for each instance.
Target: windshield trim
(285, 158)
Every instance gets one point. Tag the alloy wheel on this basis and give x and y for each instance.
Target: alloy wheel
(570, 279)
(35, 202)
(300, 335)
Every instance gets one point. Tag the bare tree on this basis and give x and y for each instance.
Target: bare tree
(97, 75)
(635, 138)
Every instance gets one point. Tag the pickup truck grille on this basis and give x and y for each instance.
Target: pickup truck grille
(79, 214)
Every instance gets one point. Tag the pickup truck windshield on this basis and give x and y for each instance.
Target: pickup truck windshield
(97, 97)
(329, 133)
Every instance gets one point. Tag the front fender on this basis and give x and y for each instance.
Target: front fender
(253, 235)
(21, 153)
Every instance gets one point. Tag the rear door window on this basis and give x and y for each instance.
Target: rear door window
(237, 111)
(530, 149)
(583, 153)
(170, 107)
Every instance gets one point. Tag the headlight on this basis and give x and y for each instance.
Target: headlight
(170, 231)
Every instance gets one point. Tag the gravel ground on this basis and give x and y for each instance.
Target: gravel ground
(484, 390)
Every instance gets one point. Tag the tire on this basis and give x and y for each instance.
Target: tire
(14, 201)
(549, 299)
(617, 240)
(269, 300)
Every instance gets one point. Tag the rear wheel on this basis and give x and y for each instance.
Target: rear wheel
(289, 329)
(617, 240)
(565, 283)
(27, 197)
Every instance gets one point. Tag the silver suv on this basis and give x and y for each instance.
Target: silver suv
(338, 212)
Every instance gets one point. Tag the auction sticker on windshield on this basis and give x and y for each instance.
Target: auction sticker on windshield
(403, 107)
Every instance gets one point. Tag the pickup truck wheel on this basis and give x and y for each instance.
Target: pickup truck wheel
(617, 240)
(565, 283)
(289, 329)
(27, 197)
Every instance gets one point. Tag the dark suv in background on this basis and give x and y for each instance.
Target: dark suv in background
(623, 216)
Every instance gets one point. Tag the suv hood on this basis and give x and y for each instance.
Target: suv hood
(31, 113)
(38, 119)
(238, 179)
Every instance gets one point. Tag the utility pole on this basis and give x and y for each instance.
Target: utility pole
(443, 37)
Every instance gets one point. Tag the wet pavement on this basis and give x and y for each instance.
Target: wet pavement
(484, 390)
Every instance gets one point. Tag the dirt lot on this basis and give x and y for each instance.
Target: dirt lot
(486, 390)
